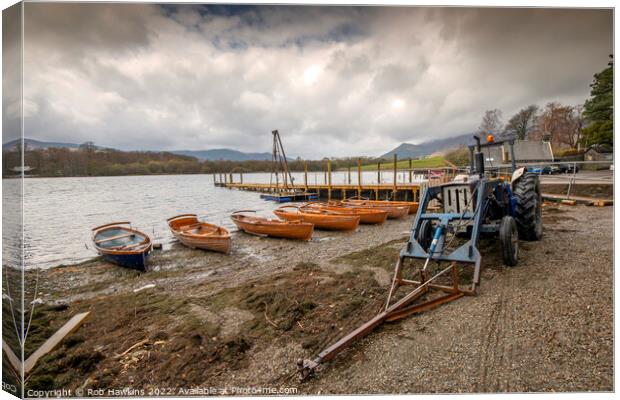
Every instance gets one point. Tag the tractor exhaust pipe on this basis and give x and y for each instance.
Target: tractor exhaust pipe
(479, 157)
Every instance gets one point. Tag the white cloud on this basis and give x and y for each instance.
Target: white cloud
(349, 81)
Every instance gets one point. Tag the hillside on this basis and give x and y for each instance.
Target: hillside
(430, 162)
(223, 154)
(32, 144)
(408, 150)
(202, 155)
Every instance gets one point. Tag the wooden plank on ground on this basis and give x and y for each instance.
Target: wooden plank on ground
(13, 359)
(602, 203)
(577, 199)
(53, 341)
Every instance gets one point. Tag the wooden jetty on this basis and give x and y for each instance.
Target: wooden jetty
(407, 191)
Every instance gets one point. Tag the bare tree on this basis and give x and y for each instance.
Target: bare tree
(491, 123)
(578, 122)
(562, 124)
(522, 123)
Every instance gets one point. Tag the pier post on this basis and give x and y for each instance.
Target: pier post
(329, 181)
(349, 174)
(359, 178)
(214, 179)
(231, 177)
(306, 175)
(410, 171)
(395, 176)
(241, 177)
(379, 173)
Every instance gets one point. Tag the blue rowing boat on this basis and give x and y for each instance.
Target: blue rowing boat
(120, 244)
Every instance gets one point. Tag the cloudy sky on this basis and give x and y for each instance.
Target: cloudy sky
(335, 81)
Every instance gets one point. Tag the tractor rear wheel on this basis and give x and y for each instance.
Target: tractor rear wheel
(509, 240)
(528, 213)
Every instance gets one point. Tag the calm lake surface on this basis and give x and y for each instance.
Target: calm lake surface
(60, 212)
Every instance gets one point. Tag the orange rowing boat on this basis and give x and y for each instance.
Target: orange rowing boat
(367, 215)
(321, 220)
(272, 227)
(192, 232)
(412, 205)
(393, 212)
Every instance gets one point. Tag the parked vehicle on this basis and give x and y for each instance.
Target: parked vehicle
(540, 169)
(568, 168)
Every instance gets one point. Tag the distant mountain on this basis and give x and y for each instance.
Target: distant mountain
(202, 155)
(36, 144)
(408, 150)
(223, 154)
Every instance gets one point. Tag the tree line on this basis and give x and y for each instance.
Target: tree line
(565, 126)
(88, 160)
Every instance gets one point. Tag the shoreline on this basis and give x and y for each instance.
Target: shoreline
(243, 320)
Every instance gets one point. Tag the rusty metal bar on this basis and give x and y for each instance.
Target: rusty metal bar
(418, 308)
(306, 367)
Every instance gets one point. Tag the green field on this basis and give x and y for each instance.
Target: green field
(430, 162)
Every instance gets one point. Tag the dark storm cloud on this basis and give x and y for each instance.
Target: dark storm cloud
(348, 80)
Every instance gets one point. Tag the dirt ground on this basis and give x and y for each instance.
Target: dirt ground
(210, 320)
(597, 191)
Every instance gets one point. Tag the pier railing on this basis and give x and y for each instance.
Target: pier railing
(405, 183)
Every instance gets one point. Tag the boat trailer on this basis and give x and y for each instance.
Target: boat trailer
(473, 205)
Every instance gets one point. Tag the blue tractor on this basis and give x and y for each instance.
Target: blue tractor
(441, 260)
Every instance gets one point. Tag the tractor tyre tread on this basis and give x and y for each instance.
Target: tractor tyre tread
(527, 213)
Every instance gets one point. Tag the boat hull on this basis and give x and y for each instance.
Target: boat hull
(393, 212)
(192, 232)
(411, 205)
(122, 245)
(266, 227)
(133, 261)
(367, 216)
(322, 221)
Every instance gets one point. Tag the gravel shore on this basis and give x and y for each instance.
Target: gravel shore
(200, 319)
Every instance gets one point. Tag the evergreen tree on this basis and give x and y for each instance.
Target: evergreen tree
(599, 108)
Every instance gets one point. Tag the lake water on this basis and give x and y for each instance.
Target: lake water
(60, 212)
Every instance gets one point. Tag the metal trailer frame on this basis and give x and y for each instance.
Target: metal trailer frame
(484, 192)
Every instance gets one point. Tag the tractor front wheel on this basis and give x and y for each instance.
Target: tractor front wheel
(528, 213)
(509, 240)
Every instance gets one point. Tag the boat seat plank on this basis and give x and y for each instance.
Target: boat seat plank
(131, 246)
(115, 237)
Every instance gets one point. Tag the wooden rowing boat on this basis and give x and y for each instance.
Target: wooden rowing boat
(272, 227)
(192, 232)
(120, 244)
(367, 215)
(321, 220)
(412, 205)
(394, 211)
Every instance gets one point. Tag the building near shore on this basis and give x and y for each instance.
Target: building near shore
(525, 151)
